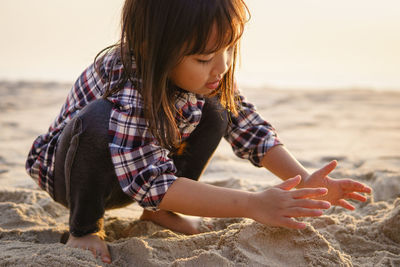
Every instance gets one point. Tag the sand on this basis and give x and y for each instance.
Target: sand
(360, 128)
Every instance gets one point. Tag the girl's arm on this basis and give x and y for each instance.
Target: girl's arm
(280, 162)
(283, 164)
(274, 206)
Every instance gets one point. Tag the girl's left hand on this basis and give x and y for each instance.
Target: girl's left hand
(338, 189)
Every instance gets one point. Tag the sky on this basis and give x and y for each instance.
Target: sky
(287, 43)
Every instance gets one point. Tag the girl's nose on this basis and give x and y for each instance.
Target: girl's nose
(222, 64)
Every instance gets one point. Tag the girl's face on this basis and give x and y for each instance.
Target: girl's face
(201, 73)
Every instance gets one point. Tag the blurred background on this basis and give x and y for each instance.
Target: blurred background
(308, 44)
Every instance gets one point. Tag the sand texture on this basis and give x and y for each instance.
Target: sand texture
(359, 128)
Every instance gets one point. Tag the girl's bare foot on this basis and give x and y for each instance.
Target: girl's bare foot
(92, 242)
(172, 221)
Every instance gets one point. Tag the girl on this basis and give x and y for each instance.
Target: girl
(141, 123)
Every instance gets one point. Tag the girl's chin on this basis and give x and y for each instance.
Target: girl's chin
(203, 91)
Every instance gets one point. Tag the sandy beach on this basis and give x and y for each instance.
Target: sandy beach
(360, 128)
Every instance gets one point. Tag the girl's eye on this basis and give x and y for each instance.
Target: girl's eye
(202, 61)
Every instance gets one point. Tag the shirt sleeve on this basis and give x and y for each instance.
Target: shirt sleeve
(143, 168)
(249, 134)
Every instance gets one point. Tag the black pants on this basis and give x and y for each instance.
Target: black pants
(85, 179)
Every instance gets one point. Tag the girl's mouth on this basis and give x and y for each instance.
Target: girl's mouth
(213, 85)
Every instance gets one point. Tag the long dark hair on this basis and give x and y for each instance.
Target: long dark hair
(156, 35)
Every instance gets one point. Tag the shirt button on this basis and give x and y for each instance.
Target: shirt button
(193, 99)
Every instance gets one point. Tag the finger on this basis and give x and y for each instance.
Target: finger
(343, 203)
(350, 185)
(303, 212)
(355, 196)
(309, 192)
(291, 223)
(290, 183)
(311, 204)
(367, 189)
(328, 168)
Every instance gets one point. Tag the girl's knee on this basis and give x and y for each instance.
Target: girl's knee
(95, 116)
(215, 116)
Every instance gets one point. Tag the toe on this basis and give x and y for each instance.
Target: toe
(105, 254)
(106, 259)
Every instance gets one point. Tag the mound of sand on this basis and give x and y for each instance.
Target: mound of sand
(32, 224)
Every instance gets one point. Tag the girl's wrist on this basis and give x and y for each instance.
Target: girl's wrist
(304, 177)
(250, 202)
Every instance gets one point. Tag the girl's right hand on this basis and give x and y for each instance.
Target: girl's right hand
(277, 206)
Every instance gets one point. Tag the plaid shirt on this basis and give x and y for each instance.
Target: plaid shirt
(143, 168)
